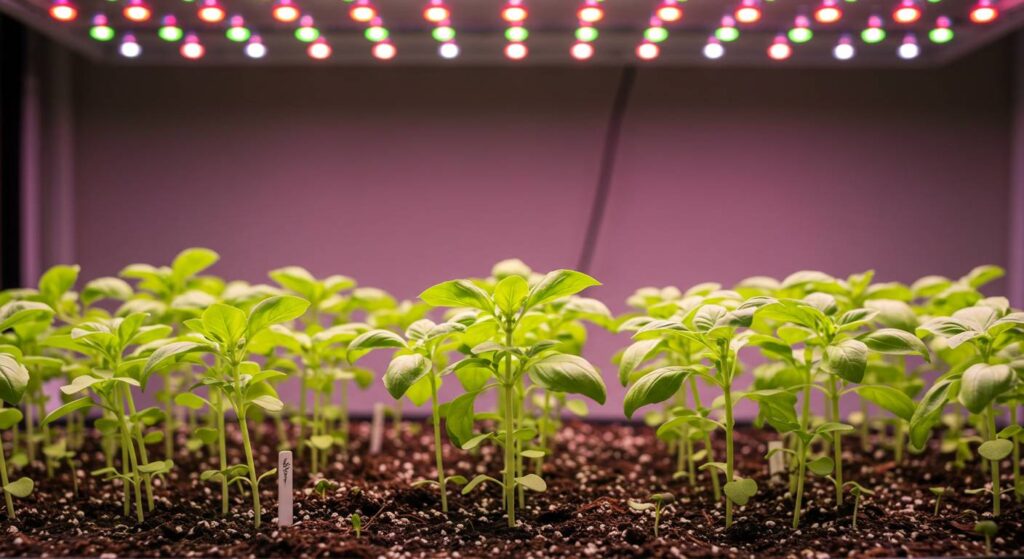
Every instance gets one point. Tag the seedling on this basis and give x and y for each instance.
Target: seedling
(988, 529)
(357, 523)
(13, 383)
(657, 501)
(324, 485)
(857, 490)
(939, 493)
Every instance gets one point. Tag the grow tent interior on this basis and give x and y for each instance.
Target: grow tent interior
(405, 170)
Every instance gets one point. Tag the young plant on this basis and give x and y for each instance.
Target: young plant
(498, 347)
(225, 332)
(988, 529)
(357, 523)
(857, 490)
(323, 485)
(13, 383)
(939, 493)
(657, 502)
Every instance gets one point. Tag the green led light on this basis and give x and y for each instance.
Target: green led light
(307, 34)
(101, 32)
(170, 33)
(586, 34)
(727, 34)
(656, 34)
(516, 34)
(443, 34)
(873, 35)
(940, 35)
(375, 34)
(238, 34)
(800, 34)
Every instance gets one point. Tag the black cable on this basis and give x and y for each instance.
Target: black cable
(607, 168)
(12, 52)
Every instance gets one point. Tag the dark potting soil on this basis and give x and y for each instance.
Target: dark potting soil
(584, 512)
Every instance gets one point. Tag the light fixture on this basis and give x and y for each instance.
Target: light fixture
(101, 29)
(514, 12)
(448, 51)
(780, 49)
(907, 12)
(319, 49)
(285, 11)
(727, 31)
(255, 48)
(909, 49)
(137, 11)
(582, 51)
(376, 33)
(362, 11)
(590, 12)
(828, 12)
(516, 51)
(648, 51)
(191, 48)
(844, 49)
(443, 33)
(237, 31)
(984, 12)
(586, 33)
(384, 51)
(169, 30)
(713, 49)
(873, 33)
(749, 11)
(669, 11)
(942, 32)
(129, 46)
(801, 30)
(63, 10)
(306, 32)
(656, 34)
(211, 12)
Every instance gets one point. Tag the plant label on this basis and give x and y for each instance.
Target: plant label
(777, 463)
(285, 475)
(377, 429)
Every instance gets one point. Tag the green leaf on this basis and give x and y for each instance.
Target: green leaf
(268, 403)
(191, 261)
(106, 288)
(533, 482)
(16, 312)
(190, 400)
(741, 490)
(275, 310)
(510, 293)
(888, 398)
(420, 392)
(224, 322)
(458, 293)
(459, 419)
(892, 341)
(170, 354)
(13, 379)
(848, 359)
(479, 479)
(893, 314)
(403, 372)
(9, 417)
(983, 274)
(532, 453)
(577, 407)
(207, 434)
(57, 281)
(981, 384)
(656, 386)
(321, 442)
(822, 466)
(374, 339)
(21, 488)
(558, 284)
(158, 467)
(474, 442)
(634, 356)
(296, 279)
(928, 411)
(561, 372)
(996, 450)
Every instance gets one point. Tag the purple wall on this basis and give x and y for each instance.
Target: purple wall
(403, 177)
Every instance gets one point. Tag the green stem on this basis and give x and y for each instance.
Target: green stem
(801, 476)
(856, 505)
(837, 442)
(41, 406)
(864, 425)
(251, 462)
(143, 454)
(510, 450)
(169, 421)
(222, 451)
(709, 450)
(543, 425)
(131, 468)
(899, 436)
(994, 464)
(729, 459)
(438, 450)
(4, 480)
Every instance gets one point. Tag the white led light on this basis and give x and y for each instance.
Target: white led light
(129, 48)
(714, 50)
(908, 50)
(255, 50)
(448, 50)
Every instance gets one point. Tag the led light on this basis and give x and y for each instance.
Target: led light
(255, 48)
(590, 12)
(211, 12)
(514, 12)
(238, 32)
(443, 33)
(942, 32)
(874, 32)
(801, 31)
(748, 12)
(362, 11)
(844, 49)
(63, 10)
(137, 11)
(191, 48)
(984, 12)
(669, 11)
(517, 34)
(828, 12)
(436, 12)
(449, 51)
(306, 32)
(907, 12)
(319, 49)
(655, 34)
(169, 30)
(647, 51)
(909, 49)
(285, 11)
(780, 48)
(727, 32)
(384, 51)
(516, 51)
(130, 47)
(376, 33)
(100, 29)
(586, 34)
(582, 51)
(713, 49)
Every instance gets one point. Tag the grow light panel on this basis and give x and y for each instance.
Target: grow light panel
(517, 32)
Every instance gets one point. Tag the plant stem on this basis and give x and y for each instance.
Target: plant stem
(837, 441)
(856, 505)
(543, 428)
(41, 405)
(438, 450)
(864, 426)
(994, 464)
(519, 447)
(170, 421)
(251, 462)
(222, 450)
(510, 450)
(1018, 490)
(729, 424)
(143, 455)
(303, 388)
(709, 451)
(3, 478)
(131, 468)
(801, 475)
(899, 437)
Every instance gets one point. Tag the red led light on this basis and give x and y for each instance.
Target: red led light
(62, 10)
(582, 51)
(362, 12)
(513, 13)
(648, 51)
(516, 51)
(669, 12)
(780, 49)
(192, 49)
(211, 12)
(319, 49)
(906, 12)
(591, 13)
(384, 51)
(285, 11)
(828, 12)
(984, 12)
(748, 12)
(137, 11)
(436, 13)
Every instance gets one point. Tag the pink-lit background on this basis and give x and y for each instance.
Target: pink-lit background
(404, 177)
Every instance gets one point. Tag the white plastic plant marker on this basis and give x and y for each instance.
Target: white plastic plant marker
(777, 463)
(284, 488)
(377, 429)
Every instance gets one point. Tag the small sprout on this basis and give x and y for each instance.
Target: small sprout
(988, 529)
(657, 501)
(357, 523)
(323, 486)
(857, 490)
(939, 492)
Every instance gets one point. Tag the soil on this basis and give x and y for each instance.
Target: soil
(584, 512)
